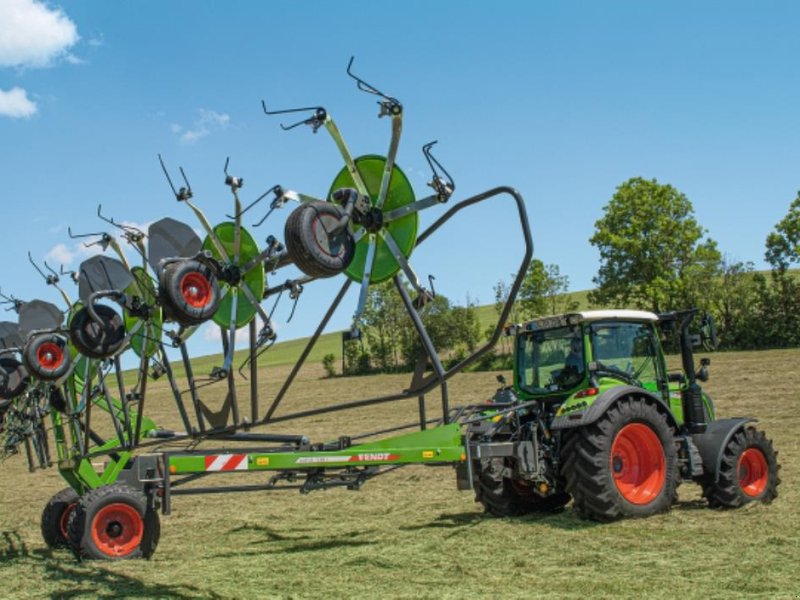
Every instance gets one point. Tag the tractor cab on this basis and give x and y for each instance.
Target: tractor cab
(561, 355)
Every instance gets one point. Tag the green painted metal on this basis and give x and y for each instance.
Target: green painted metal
(254, 279)
(403, 230)
(114, 467)
(438, 445)
(145, 340)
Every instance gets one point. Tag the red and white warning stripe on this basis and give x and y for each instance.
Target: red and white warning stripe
(226, 462)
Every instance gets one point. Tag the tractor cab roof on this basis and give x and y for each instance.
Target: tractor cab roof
(575, 318)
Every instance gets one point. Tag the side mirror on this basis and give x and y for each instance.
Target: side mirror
(708, 333)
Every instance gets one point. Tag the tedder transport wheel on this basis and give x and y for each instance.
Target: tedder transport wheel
(13, 379)
(749, 472)
(190, 292)
(55, 517)
(114, 522)
(623, 465)
(46, 356)
(314, 250)
(97, 340)
(504, 497)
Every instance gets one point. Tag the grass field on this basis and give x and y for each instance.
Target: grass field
(411, 534)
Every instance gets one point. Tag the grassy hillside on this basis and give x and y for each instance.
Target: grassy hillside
(411, 534)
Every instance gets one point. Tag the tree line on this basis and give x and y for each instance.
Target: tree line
(654, 256)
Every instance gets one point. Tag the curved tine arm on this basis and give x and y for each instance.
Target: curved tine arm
(366, 87)
(115, 295)
(38, 270)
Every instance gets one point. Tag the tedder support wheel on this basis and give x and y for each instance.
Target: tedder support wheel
(13, 380)
(311, 244)
(623, 465)
(97, 340)
(504, 497)
(55, 518)
(748, 472)
(47, 356)
(190, 292)
(114, 522)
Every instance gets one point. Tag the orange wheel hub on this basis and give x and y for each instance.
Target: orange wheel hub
(638, 463)
(753, 472)
(117, 529)
(196, 290)
(50, 355)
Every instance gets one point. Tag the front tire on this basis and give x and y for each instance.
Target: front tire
(748, 472)
(623, 465)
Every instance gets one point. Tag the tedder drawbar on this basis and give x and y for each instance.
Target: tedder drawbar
(592, 415)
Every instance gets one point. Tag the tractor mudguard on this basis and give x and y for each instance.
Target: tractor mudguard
(711, 443)
(578, 414)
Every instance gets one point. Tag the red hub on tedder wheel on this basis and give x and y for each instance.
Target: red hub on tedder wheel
(196, 290)
(638, 463)
(63, 522)
(50, 355)
(117, 529)
(753, 472)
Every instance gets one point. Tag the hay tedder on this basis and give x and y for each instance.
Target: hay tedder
(610, 429)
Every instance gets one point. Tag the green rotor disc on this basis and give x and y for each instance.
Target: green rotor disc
(254, 279)
(403, 230)
(146, 338)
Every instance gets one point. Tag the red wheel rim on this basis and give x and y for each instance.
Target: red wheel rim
(638, 463)
(50, 355)
(117, 529)
(196, 290)
(753, 472)
(64, 521)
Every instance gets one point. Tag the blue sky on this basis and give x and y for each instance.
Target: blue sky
(562, 100)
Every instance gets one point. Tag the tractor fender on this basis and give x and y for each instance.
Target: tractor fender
(712, 442)
(575, 417)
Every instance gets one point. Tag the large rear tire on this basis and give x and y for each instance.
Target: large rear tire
(748, 472)
(623, 465)
(504, 497)
(55, 518)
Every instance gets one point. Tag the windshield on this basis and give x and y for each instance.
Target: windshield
(550, 361)
(629, 348)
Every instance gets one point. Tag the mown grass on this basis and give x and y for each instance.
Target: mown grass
(411, 534)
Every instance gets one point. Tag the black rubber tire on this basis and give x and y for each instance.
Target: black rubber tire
(94, 506)
(175, 282)
(727, 491)
(13, 380)
(587, 463)
(502, 497)
(43, 371)
(315, 252)
(95, 340)
(53, 517)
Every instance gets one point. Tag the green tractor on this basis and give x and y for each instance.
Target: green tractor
(594, 415)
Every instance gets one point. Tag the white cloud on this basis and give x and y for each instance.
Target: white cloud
(207, 121)
(33, 34)
(60, 255)
(15, 104)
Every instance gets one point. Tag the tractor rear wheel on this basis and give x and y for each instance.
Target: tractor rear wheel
(114, 522)
(504, 497)
(623, 465)
(55, 517)
(748, 472)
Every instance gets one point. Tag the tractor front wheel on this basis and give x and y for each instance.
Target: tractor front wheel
(114, 522)
(55, 517)
(748, 472)
(623, 465)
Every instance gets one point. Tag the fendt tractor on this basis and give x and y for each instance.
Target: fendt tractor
(593, 414)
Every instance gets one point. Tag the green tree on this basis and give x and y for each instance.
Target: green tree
(783, 244)
(652, 252)
(544, 291)
(735, 302)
